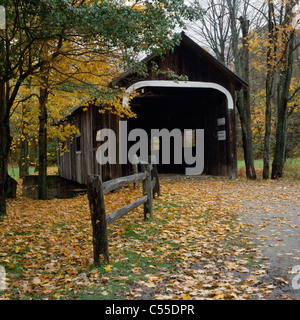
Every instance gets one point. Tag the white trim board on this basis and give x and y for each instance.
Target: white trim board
(178, 84)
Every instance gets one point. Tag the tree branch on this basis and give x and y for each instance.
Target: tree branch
(294, 94)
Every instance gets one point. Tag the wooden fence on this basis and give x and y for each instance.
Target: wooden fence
(96, 191)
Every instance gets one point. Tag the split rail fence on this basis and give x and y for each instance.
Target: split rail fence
(100, 220)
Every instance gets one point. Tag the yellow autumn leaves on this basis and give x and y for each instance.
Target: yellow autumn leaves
(196, 247)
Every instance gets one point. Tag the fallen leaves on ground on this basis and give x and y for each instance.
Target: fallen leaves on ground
(197, 246)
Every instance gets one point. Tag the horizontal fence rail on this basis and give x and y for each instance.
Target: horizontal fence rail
(121, 212)
(120, 182)
(100, 220)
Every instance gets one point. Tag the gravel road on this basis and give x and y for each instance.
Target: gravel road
(274, 217)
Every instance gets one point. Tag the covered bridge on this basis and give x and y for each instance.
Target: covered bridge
(206, 101)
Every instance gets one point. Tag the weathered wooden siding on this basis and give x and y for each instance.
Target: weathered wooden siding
(77, 165)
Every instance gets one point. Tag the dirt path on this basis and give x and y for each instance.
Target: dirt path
(273, 212)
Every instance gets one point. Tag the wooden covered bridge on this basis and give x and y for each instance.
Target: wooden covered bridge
(206, 101)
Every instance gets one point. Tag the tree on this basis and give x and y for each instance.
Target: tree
(21, 122)
(67, 81)
(24, 121)
(270, 41)
(270, 78)
(220, 29)
(111, 26)
(283, 89)
(213, 28)
(280, 48)
(272, 49)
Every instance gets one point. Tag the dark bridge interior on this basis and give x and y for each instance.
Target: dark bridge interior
(185, 108)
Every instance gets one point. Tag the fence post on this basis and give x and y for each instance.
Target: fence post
(147, 191)
(154, 175)
(134, 163)
(98, 217)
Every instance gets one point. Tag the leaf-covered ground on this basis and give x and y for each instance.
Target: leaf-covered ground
(201, 244)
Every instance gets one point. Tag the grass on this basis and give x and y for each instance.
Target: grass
(257, 163)
(291, 168)
(14, 171)
(127, 267)
(260, 164)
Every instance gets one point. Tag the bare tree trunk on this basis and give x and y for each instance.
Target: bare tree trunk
(42, 180)
(283, 89)
(5, 141)
(268, 117)
(23, 157)
(270, 76)
(280, 146)
(5, 137)
(243, 97)
(246, 121)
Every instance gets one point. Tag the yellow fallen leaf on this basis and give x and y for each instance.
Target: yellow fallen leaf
(282, 280)
(107, 268)
(219, 296)
(150, 285)
(56, 295)
(18, 249)
(230, 265)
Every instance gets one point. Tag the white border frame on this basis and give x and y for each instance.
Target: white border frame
(178, 84)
